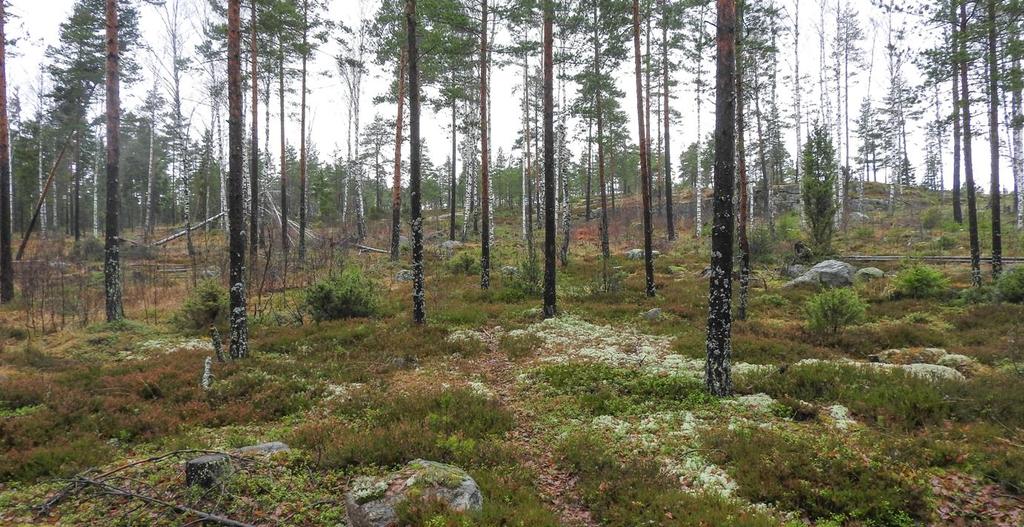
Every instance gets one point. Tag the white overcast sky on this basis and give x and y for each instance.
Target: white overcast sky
(36, 27)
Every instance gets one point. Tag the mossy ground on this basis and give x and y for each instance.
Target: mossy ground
(598, 418)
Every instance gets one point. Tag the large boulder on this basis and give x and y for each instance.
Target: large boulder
(373, 502)
(832, 273)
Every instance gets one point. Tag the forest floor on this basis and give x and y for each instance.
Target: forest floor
(596, 417)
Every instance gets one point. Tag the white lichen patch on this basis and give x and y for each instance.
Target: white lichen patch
(170, 345)
(838, 416)
(481, 389)
(760, 403)
(465, 335)
(922, 370)
(341, 392)
(696, 473)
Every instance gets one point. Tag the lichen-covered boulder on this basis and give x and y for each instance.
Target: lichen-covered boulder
(933, 372)
(652, 315)
(910, 356)
(831, 273)
(373, 502)
(638, 254)
(869, 273)
(451, 245)
(405, 275)
(961, 363)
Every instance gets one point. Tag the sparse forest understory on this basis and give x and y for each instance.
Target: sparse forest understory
(582, 328)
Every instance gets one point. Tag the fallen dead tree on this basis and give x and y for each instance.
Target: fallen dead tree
(183, 232)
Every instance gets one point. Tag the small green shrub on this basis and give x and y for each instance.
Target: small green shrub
(931, 219)
(1010, 286)
(919, 281)
(206, 305)
(527, 283)
(833, 310)
(347, 295)
(788, 227)
(463, 263)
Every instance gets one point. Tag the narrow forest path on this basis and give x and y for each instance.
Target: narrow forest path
(555, 485)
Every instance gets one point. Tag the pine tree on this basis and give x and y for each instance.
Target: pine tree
(418, 310)
(718, 376)
(239, 333)
(6, 265)
(112, 256)
(549, 162)
(645, 161)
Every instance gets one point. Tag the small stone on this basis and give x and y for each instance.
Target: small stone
(653, 314)
(265, 448)
(869, 273)
(206, 470)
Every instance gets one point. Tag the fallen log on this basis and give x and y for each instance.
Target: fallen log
(181, 233)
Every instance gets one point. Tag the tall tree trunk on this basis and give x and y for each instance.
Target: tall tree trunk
(958, 214)
(451, 181)
(284, 158)
(993, 126)
(590, 168)
(396, 181)
(147, 229)
(112, 256)
(719, 333)
(418, 312)
(254, 141)
(741, 159)
(972, 204)
(6, 265)
(549, 163)
(1018, 149)
(302, 135)
(485, 180)
(798, 99)
(645, 162)
(76, 211)
(667, 116)
(239, 340)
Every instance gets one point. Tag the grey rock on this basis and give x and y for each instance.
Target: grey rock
(206, 470)
(653, 314)
(265, 448)
(405, 275)
(638, 254)
(832, 273)
(451, 245)
(509, 270)
(793, 271)
(869, 273)
(373, 502)
(859, 217)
